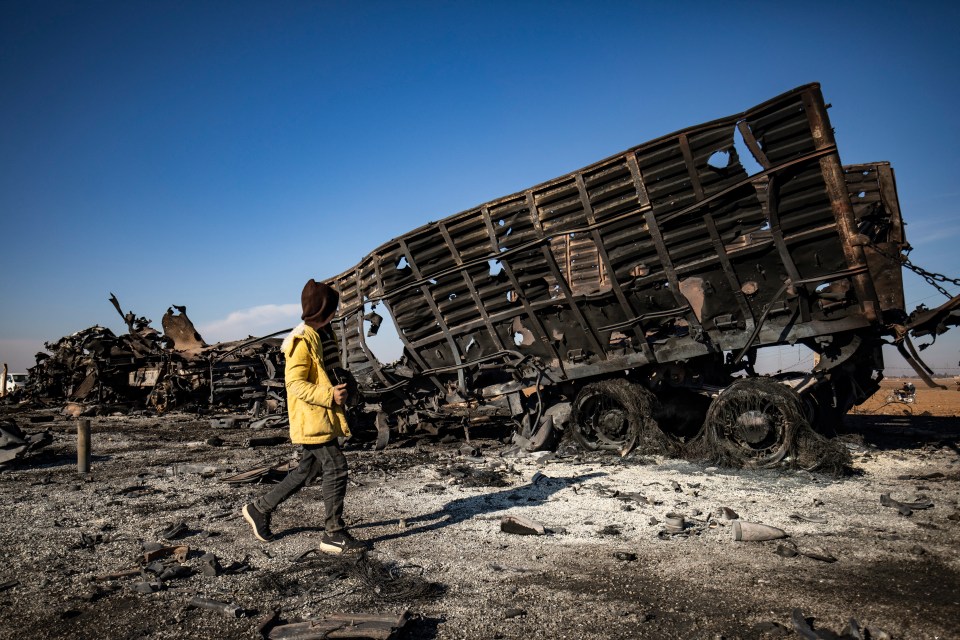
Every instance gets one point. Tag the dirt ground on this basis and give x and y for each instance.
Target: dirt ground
(606, 568)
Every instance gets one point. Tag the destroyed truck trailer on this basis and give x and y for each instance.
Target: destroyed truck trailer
(625, 302)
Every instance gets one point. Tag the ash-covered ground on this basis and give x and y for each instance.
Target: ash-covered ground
(606, 568)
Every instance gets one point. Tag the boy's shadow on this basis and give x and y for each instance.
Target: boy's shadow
(461, 509)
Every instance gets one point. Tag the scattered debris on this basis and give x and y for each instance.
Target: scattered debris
(674, 523)
(789, 549)
(210, 565)
(147, 586)
(770, 629)
(853, 631)
(521, 526)
(267, 622)
(174, 531)
(726, 513)
(230, 610)
(817, 519)
(905, 508)
(15, 444)
(269, 474)
(342, 625)
(818, 554)
(752, 531)
(115, 575)
(936, 475)
(154, 551)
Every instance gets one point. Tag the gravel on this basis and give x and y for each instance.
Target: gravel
(607, 566)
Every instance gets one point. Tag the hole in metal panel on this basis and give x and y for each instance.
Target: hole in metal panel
(495, 267)
(720, 159)
(402, 264)
(386, 345)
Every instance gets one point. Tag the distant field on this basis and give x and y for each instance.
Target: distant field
(934, 402)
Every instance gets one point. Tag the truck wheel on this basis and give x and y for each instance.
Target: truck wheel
(611, 415)
(753, 422)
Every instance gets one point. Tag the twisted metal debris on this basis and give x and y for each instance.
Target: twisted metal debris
(97, 371)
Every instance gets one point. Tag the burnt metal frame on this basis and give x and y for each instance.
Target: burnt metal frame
(454, 349)
(528, 308)
(551, 259)
(843, 225)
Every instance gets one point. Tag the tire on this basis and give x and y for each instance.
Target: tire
(610, 415)
(753, 422)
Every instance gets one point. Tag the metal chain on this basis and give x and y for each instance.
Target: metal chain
(931, 277)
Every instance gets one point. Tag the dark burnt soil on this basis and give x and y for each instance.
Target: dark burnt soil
(606, 568)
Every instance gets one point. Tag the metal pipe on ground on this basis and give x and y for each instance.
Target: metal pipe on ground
(83, 446)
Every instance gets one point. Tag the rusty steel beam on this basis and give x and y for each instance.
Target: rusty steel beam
(836, 188)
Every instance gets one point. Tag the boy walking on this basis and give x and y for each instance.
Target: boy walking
(317, 420)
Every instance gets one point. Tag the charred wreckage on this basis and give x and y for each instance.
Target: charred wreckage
(623, 303)
(95, 371)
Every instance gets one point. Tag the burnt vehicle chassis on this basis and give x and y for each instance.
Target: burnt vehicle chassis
(626, 301)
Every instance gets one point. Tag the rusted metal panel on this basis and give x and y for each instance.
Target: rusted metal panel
(872, 190)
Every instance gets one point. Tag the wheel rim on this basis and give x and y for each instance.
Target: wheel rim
(755, 425)
(754, 421)
(604, 420)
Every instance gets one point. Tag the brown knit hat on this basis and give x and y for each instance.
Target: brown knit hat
(318, 301)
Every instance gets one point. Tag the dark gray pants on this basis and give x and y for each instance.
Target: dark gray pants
(326, 461)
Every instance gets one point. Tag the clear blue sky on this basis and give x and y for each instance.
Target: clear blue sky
(218, 154)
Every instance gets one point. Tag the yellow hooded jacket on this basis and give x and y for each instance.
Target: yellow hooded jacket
(314, 416)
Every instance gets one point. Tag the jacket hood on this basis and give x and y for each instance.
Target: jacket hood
(300, 332)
